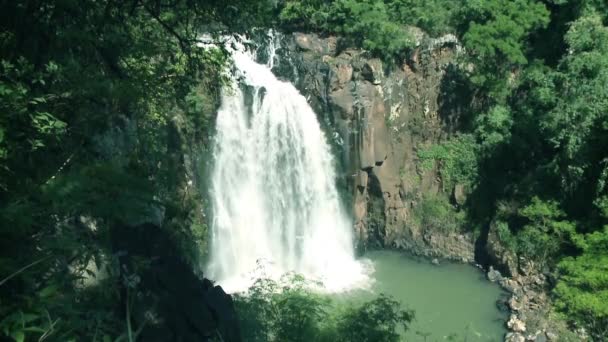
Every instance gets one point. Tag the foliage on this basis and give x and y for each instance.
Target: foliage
(505, 235)
(100, 102)
(456, 160)
(376, 320)
(494, 127)
(538, 122)
(434, 212)
(543, 137)
(495, 32)
(582, 291)
(290, 310)
(546, 231)
(96, 98)
(576, 127)
(433, 16)
(367, 23)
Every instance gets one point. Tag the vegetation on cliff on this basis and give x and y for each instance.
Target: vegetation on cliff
(102, 102)
(531, 146)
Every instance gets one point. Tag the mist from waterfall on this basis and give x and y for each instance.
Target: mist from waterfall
(275, 203)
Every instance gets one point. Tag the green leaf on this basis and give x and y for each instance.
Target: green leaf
(18, 336)
(34, 330)
(48, 291)
(27, 318)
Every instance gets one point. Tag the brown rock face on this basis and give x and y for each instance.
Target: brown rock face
(377, 116)
(499, 254)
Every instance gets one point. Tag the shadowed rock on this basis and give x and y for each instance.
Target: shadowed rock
(169, 300)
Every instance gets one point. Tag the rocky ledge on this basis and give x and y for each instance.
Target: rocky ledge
(377, 116)
(531, 314)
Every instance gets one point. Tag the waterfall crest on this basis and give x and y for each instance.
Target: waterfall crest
(274, 197)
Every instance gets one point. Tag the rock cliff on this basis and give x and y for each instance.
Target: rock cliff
(377, 116)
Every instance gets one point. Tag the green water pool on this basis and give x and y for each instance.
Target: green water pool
(449, 299)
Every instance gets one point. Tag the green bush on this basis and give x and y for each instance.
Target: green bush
(456, 160)
(367, 23)
(546, 232)
(433, 16)
(507, 238)
(582, 288)
(290, 311)
(434, 212)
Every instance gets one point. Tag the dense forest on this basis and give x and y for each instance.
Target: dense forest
(97, 97)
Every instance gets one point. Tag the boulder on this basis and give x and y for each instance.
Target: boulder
(516, 325)
(459, 195)
(551, 336)
(515, 337)
(494, 275)
(312, 42)
(540, 337)
(514, 304)
(169, 300)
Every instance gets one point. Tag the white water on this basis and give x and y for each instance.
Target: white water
(275, 201)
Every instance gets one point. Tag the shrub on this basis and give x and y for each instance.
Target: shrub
(435, 212)
(456, 160)
(290, 310)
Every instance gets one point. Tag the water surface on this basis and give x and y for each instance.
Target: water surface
(448, 298)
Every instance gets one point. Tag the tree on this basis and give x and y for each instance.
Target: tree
(582, 289)
(366, 23)
(495, 32)
(376, 320)
(290, 310)
(92, 95)
(546, 232)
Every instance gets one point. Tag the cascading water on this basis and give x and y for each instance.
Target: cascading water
(274, 196)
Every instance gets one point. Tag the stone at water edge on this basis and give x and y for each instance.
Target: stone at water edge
(494, 275)
(540, 338)
(515, 337)
(514, 304)
(551, 336)
(515, 324)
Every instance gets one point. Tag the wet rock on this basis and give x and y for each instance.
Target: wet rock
(551, 336)
(361, 180)
(515, 337)
(435, 261)
(502, 305)
(459, 195)
(514, 304)
(494, 275)
(515, 324)
(372, 71)
(341, 76)
(540, 337)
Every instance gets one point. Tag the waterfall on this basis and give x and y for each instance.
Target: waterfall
(274, 197)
